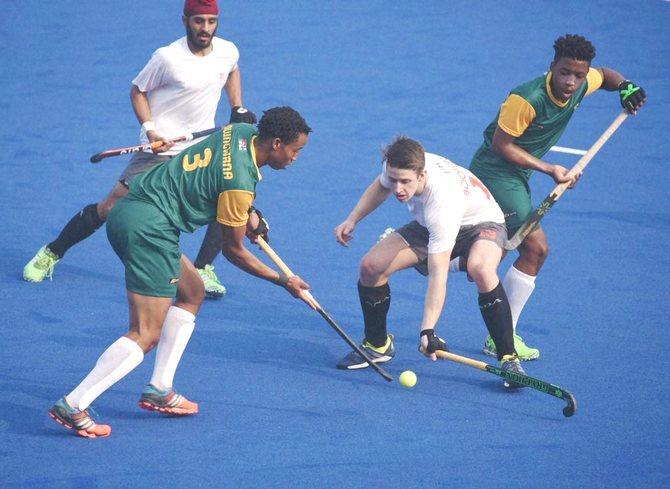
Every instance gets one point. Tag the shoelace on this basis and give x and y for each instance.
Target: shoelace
(209, 271)
(47, 264)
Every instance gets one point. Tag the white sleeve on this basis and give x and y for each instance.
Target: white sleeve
(153, 74)
(384, 179)
(443, 220)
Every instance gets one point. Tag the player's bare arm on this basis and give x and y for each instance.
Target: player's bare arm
(142, 111)
(372, 198)
(436, 293)
(233, 88)
(503, 145)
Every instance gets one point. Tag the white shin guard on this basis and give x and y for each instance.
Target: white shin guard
(116, 362)
(176, 332)
(518, 287)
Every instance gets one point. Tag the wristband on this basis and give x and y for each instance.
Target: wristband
(148, 126)
(283, 279)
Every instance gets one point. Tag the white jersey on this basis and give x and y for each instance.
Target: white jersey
(452, 198)
(183, 89)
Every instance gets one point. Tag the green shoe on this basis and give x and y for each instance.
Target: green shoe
(41, 266)
(213, 288)
(525, 352)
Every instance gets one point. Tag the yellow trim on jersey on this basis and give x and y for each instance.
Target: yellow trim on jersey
(595, 80)
(551, 95)
(232, 208)
(516, 114)
(253, 157)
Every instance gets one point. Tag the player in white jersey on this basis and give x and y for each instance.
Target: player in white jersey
(176, 93)
(455, 216)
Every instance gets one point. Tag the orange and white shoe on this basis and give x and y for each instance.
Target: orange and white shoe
(168, 402)
(79, 421)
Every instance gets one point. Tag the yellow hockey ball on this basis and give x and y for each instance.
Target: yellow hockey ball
(407, 379)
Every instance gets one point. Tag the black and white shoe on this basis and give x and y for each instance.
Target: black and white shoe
(354, 361)
(512, 364)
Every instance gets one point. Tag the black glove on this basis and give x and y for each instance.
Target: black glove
(434, 342)
(632, 96)
(263, 227)
(240, 114)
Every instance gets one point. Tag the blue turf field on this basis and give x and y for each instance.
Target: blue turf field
(274, 411)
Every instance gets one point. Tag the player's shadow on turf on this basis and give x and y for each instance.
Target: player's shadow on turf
(287, 352)
(30, 418)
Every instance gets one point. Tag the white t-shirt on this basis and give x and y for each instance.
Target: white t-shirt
(453, 197)
(183, 89)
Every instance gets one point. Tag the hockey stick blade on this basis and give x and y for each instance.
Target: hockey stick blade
(539, 385)
(525, 380)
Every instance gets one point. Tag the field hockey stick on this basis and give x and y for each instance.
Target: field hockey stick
(525, 380)
(287, 271)
(537, 215)
(96, 158)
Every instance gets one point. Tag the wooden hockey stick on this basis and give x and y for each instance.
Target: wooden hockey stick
(537, 215)
(287, 271)
(525, 380)
(96, 158)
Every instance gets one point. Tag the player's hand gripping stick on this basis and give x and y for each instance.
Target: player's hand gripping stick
(528, 226)
(96, 158)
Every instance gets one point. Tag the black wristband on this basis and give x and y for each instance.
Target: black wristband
(240, 114)
(263, 227)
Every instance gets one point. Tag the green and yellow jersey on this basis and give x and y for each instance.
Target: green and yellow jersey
(213, 179)
(535, 118)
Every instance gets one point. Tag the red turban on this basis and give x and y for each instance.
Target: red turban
(200, 7)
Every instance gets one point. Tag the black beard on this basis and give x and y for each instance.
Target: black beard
(192, 37)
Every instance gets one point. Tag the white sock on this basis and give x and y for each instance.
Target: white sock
(176, 332)
(518, 287)
(116, 362)
(455, 264)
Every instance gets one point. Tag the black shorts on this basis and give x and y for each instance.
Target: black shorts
(416, 236)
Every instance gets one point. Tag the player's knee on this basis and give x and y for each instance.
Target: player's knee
(192, 301)
(540, 251)
(481, 272)
(191, 298)
(536, 251)
(370, 269)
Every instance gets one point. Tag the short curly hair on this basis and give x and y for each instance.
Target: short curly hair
(574, 46)
(284, 123)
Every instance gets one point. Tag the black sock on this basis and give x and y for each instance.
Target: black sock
(211, 245)
(375, 302)
(498, 318)
(81, 226)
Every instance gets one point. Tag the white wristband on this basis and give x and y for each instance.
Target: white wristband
(149, 126)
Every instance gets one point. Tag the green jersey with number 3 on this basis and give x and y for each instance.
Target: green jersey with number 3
(213, 179)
